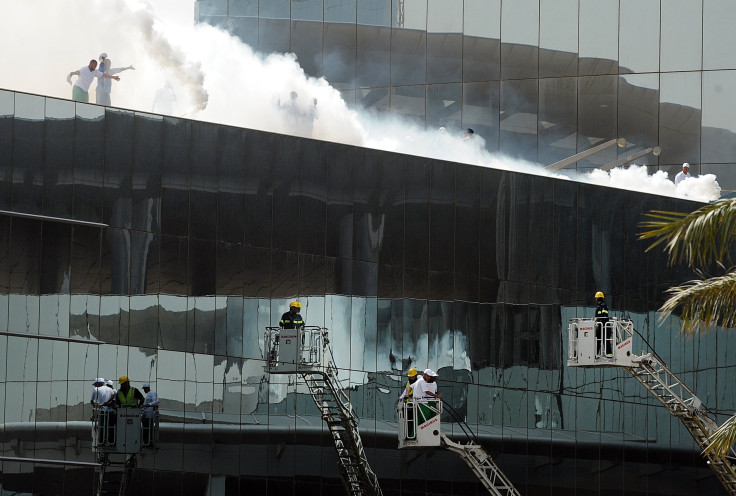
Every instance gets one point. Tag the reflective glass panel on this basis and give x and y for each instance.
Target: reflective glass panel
(243, 8)
(598, 36)
(718, 127)
(374, 12)
(340, 10)
(7, 106)
(416, 225)
(28, 146)
(308, 10)
(89, 141)
(373, 58)
(411, 14)
(212, 7)
(231, 185)
(444, 40)
(558, 118)
(306, 43)
(680, 114)
(481, 40)
(58, 173)
(369, 224)
(246, 29)
(444, 106)
(442, 215)
(518, 136)
(558, 37)
(682, 35)
(286, 191)
(273, 34)
(275, 9)
(119, 129)
(408, 56)
(638, 110)
(719, 17)
(392, 202)
(339, 54)
(259, 187)
(596, 118)
(175, 177)
(146, 179)
(481, 105)
(409, 102)
(203, 183)
(56, 257)
(519, 39)
(313, 195)
(639, 36)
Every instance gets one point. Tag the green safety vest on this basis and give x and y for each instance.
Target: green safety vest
(410, 396)
(128, 401)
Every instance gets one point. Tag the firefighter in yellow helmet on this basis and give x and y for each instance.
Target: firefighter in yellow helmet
(408, 393)
(292, 319)
(128, 396)
(601, 319)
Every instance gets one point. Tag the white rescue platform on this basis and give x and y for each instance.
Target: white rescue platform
(594, 344)
(420, 427)
(419, 424)
(609, 345)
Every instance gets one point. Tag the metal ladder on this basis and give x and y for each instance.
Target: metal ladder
(682, 403)
(336, 411)
(477, 458)
(113, 483)
(483, 466)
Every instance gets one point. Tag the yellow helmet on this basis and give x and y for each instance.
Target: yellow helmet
(412, 372)
(123, 379)
(295, 304)
(599, 294)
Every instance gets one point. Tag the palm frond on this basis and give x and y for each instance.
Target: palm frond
(703, 303)
(698, 238)
(722, 439)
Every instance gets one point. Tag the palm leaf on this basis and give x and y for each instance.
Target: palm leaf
(723, 438)
(703, 303)
(699, 238)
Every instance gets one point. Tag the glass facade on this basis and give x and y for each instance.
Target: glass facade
(161, 248)
(538, 79)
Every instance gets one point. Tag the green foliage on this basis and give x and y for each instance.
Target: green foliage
(699, 239)
(703, 240)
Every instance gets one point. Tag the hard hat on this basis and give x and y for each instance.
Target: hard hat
(123, 379)
(599, 294)
(412, 372)
(295, 304)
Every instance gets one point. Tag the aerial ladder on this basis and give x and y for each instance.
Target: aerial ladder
(118, 436)
(305, 351)
(420, 426)
(609, 344)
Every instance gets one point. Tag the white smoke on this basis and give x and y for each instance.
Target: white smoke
(219, 79)
(637, 178)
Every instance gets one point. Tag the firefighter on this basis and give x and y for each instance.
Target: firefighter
(128, 396)
(292, 319)
(601, 318)
(408, 393)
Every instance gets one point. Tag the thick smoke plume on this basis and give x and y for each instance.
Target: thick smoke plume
(217, 78)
